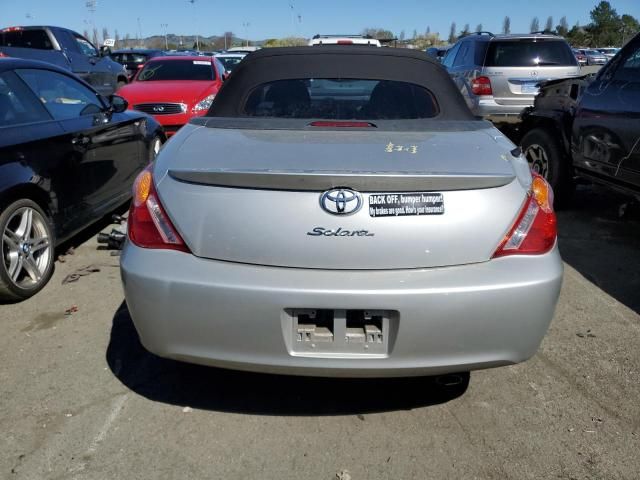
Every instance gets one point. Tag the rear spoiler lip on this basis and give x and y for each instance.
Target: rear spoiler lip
(315, 181)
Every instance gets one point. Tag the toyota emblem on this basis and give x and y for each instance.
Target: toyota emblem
(341, 201)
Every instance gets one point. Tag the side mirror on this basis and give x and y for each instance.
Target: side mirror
(225, 75)
(118, 104)
(105, 51)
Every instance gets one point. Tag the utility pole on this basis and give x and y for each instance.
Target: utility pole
(246, 31)
(166, 42)
(91, 6)
(293, 18)
(193, 2)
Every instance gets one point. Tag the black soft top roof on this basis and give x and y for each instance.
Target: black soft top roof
(339, 61)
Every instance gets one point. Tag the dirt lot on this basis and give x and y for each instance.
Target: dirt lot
(81, 399)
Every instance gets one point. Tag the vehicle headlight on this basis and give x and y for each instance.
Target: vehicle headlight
(204, 104)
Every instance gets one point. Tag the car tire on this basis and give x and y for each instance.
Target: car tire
(27, 245)
(154, 147)
(545, 155)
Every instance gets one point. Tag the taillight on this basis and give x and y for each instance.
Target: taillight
(3, 55)
(535, 230)
(149, 226)
(481, 86)
(341, 124)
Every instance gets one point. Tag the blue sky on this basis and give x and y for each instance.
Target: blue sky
(276, 18)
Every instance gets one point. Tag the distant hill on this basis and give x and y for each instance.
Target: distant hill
(173, 41)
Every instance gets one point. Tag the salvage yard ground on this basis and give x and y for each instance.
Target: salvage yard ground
(81, 399)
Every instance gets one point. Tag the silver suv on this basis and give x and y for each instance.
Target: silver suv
(498, 74)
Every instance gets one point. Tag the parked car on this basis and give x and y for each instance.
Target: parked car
(175, 88)
(608, 52)
(134, 59)
(230, 60)
(379, 230)
(498, 74)
(66, 49)
(581, 57)
(68, 156)
(589, 127)
(594, 57)
(344, 40)
(246, 50)
(438, 52)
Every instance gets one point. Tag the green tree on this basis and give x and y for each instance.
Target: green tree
(452, 33)
(578, 36)
(506, 26)
(548, 27)
(479, 27)
(563, 27)
(629, 26)
(285, 42)
(605, 25)
(465, 31)
(379, 33)
(535, 25)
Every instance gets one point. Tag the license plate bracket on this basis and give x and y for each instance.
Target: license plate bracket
(322, 332)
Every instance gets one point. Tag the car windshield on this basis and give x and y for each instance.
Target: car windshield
(337, 99)
(527, 53)
(593, 52)
(177, 70)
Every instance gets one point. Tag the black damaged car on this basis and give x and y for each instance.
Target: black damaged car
(588, 127)
(68, 156)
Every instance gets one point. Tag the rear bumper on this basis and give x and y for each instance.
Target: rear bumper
(234, 315)
(497, 113)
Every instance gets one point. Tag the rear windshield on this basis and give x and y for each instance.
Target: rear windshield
(26, 39)
(341, 99)
(177, 70)
(527, 53)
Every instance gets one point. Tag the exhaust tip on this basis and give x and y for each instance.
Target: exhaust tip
(450, 380)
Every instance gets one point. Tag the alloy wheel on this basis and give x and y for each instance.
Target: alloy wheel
(538, 159)
(26, 248)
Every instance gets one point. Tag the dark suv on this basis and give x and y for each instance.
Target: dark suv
(498, 75)
(134, 59)
(588, 127)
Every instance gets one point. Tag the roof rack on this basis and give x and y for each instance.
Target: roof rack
(342, 36)
(482, 32)
(544, 32)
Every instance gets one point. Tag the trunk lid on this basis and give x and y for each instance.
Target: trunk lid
(254, 196)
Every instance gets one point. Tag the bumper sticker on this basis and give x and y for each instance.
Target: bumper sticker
(405, 204)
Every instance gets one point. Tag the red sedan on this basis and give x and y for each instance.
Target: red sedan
(174, 89)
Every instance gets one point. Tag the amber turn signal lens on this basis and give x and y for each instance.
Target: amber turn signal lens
(142, 188)
(542, 193)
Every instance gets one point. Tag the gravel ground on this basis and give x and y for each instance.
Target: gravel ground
(81, 399)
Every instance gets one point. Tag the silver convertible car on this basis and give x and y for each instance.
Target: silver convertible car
(340, 212)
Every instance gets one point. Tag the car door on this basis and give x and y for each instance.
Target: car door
(87, 63)
(606, 129)
(34, 149)
(107, 146)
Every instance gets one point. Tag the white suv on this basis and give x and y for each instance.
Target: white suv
(344, 40)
